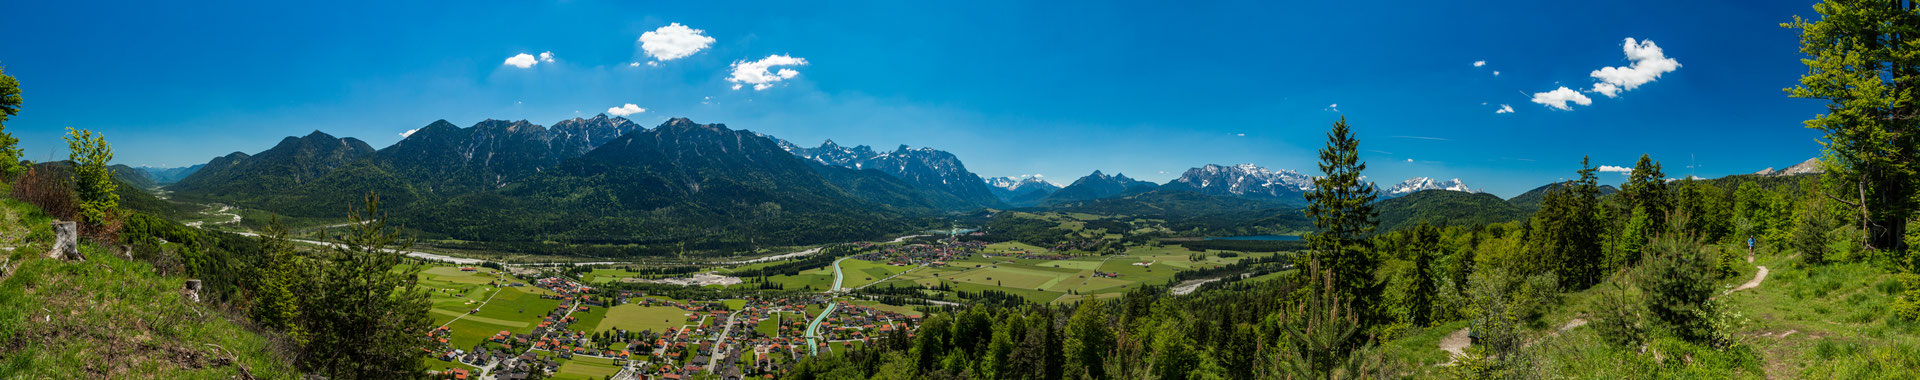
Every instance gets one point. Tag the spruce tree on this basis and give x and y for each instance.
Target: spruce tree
(1565, 233)
(276, 299)
(1342, 211)
(1863, 57)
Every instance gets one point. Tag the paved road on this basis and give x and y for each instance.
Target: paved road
(719, 346)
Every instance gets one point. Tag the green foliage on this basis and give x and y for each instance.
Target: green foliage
(1711, 210)
(1089, 341)
(1861, 61)
(1617, 316)
(1678, 280)
(1446, 207)
(93, 183)
(9, 146)
(1908, 306)
(367, 314)
(1323, 335)
(1565, 233)
(1342, 210)
(276, 302)
(1813, 227)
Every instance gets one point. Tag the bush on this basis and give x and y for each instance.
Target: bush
(1678, 280)
(1617, 318)
(1908, 306)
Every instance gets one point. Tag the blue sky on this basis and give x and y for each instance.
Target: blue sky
(1059, 88)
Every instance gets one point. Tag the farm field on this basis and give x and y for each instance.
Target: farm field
(633, 317)
(586, 368)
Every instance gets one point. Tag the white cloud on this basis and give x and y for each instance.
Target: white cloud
(546, 56)
(1504, 109)
(1607, 89)
(1496, 73)
(1240, 134)
(1409, 160)
(757, 74)
(634, 64)
(1479, 63)
(673, 41)
(523, 60)
(1648, 63)
(1559, 98)
(409, 132)
(625, 110)
(1615, 169)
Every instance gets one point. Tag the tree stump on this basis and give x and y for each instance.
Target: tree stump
(192, 291)
(66, 242)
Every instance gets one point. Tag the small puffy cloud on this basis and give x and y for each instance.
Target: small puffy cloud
(1607, 89)
(1479, 63)
(1240, 134)
(522, 60)
(546, 56)
(625, 110)
(673, 41)
(409, 132)
(1409, 160)
(1558, 98)
(1615, 169)
(758, 73)
(1648, 63)
(1496, 73)
(1333, 107)
(1504, 109)
(634, 64)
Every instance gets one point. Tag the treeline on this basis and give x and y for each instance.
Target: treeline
(825, 257)
(1243, 245)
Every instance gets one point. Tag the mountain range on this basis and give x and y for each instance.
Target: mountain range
(1024, 191)
(938, 172)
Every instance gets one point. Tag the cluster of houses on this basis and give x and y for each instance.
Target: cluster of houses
(917, 254)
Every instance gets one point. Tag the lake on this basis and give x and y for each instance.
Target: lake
(1259, 237)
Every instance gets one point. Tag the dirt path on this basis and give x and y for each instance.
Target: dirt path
(1456, 343)
(1757, 278)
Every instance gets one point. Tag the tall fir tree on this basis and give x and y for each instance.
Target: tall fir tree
(276, 298)
(1565, 233)
(1864, 60)
(1342, 210)
(1646, 190)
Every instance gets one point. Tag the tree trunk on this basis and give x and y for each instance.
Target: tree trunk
(66, 245)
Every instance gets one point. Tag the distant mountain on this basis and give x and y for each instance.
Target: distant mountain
(293, 163)
(170, 175)
(1810, 166)
(1247, 181)
(1026, 191)
(1415, 184)
(1099, 185)
(927, 168)
(443, 158)
(678, 186)
(1530, 200)
(1446, 207)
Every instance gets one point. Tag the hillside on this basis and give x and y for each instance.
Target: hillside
(680, 186)
(1446, 207)
(1099, 185)
(109, 317)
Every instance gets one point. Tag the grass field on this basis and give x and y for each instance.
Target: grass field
(632, 317)
(585, 368)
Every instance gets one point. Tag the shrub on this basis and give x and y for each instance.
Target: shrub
(1617, 318)
(1678, 281)
(1908, 306)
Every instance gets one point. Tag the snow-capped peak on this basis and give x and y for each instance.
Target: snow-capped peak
(1415, 184)
(1021, 182)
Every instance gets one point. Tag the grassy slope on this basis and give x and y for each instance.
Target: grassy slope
(109, 317)
(1828, 321)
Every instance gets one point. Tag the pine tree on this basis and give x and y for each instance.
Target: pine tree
(1342, 210)
(1425, 245)
(92, 181)
(1864, 60)
(1646, 191)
